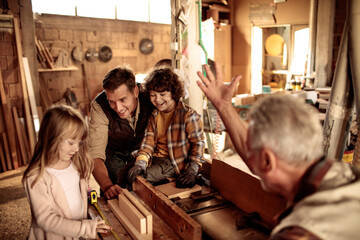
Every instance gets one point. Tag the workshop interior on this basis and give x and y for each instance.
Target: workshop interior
(55, 52)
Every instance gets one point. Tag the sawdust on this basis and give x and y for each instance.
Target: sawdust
(15, 216)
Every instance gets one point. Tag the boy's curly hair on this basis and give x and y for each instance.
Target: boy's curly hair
(164, 79)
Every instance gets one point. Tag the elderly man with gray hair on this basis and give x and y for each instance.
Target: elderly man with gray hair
(283, 145)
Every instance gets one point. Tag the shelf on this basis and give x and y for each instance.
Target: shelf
(277, 71)
(71, 68)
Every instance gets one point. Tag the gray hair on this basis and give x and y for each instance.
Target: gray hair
(287, 126)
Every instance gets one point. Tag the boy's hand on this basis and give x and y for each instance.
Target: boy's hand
(186, 180)
(138, 168)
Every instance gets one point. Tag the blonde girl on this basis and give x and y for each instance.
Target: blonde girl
(56, 180)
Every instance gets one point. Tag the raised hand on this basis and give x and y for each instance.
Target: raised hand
(214, 88)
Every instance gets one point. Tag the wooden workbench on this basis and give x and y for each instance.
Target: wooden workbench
(160, 229)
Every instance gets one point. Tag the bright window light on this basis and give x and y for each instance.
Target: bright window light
(92, 8)
(155, 11)
(160, 11)
(301, 45)
(63, 7)
(256, 60)
(134, 10)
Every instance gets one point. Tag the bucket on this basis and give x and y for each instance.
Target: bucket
(348, 156)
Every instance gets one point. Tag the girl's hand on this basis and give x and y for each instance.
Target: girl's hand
(102, 227)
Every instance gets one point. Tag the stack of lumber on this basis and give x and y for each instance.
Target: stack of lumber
(137, 220)
(45, 58)
(17, 138)
(14, 147)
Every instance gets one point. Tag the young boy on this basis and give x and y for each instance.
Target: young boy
(173, 143)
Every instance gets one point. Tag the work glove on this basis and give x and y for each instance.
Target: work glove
(188, 178)
(138, 168)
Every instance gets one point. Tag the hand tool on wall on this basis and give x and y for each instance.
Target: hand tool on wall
(93, 201)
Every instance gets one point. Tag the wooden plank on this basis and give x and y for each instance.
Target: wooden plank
(28, 120)
(245, 191)
(175, 217)
(142, 209)
(7, 151)
(23, 151)
(115, 224)
(31, 93)
(160, 229)
(45, 95)
(135, 234)
(170, 190)
(9, 127)
(26, 142)
(132, 213)
(48, 57)
(2, 158)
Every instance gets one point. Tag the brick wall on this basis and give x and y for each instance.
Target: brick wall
(123, 37)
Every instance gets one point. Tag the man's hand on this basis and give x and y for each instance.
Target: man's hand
(112, 191)
(186, 180)
(138, 168)
(214, 88)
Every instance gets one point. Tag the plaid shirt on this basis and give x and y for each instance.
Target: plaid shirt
(185, 138)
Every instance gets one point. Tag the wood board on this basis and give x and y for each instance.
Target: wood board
(142, 209)
(113, 204)
(9, 127)
(130, 211)
(245, 191)
(170, 190)
(168, 211)
(160, 229)
(7, 151)
(23, 151)
(30, 88)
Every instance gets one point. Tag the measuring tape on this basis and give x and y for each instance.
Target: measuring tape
(93, 201)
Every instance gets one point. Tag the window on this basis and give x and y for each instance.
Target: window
(155, 11)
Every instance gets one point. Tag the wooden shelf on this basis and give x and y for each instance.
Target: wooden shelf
(71, 68)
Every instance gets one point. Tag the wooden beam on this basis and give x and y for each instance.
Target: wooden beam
(245, 191)
(2, 158)
(168, 211)
(30, 89)
(7, 152)
(113, 204)
(142, 209)
(324, 42)
(29, 124)
(9, 127)
(132, 213)
(23, 151)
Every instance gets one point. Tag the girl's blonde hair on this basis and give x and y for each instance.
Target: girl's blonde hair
(60, 122)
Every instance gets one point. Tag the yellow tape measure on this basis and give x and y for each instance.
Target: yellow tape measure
(93, 201)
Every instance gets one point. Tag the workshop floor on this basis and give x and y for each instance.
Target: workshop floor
(15, 216)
